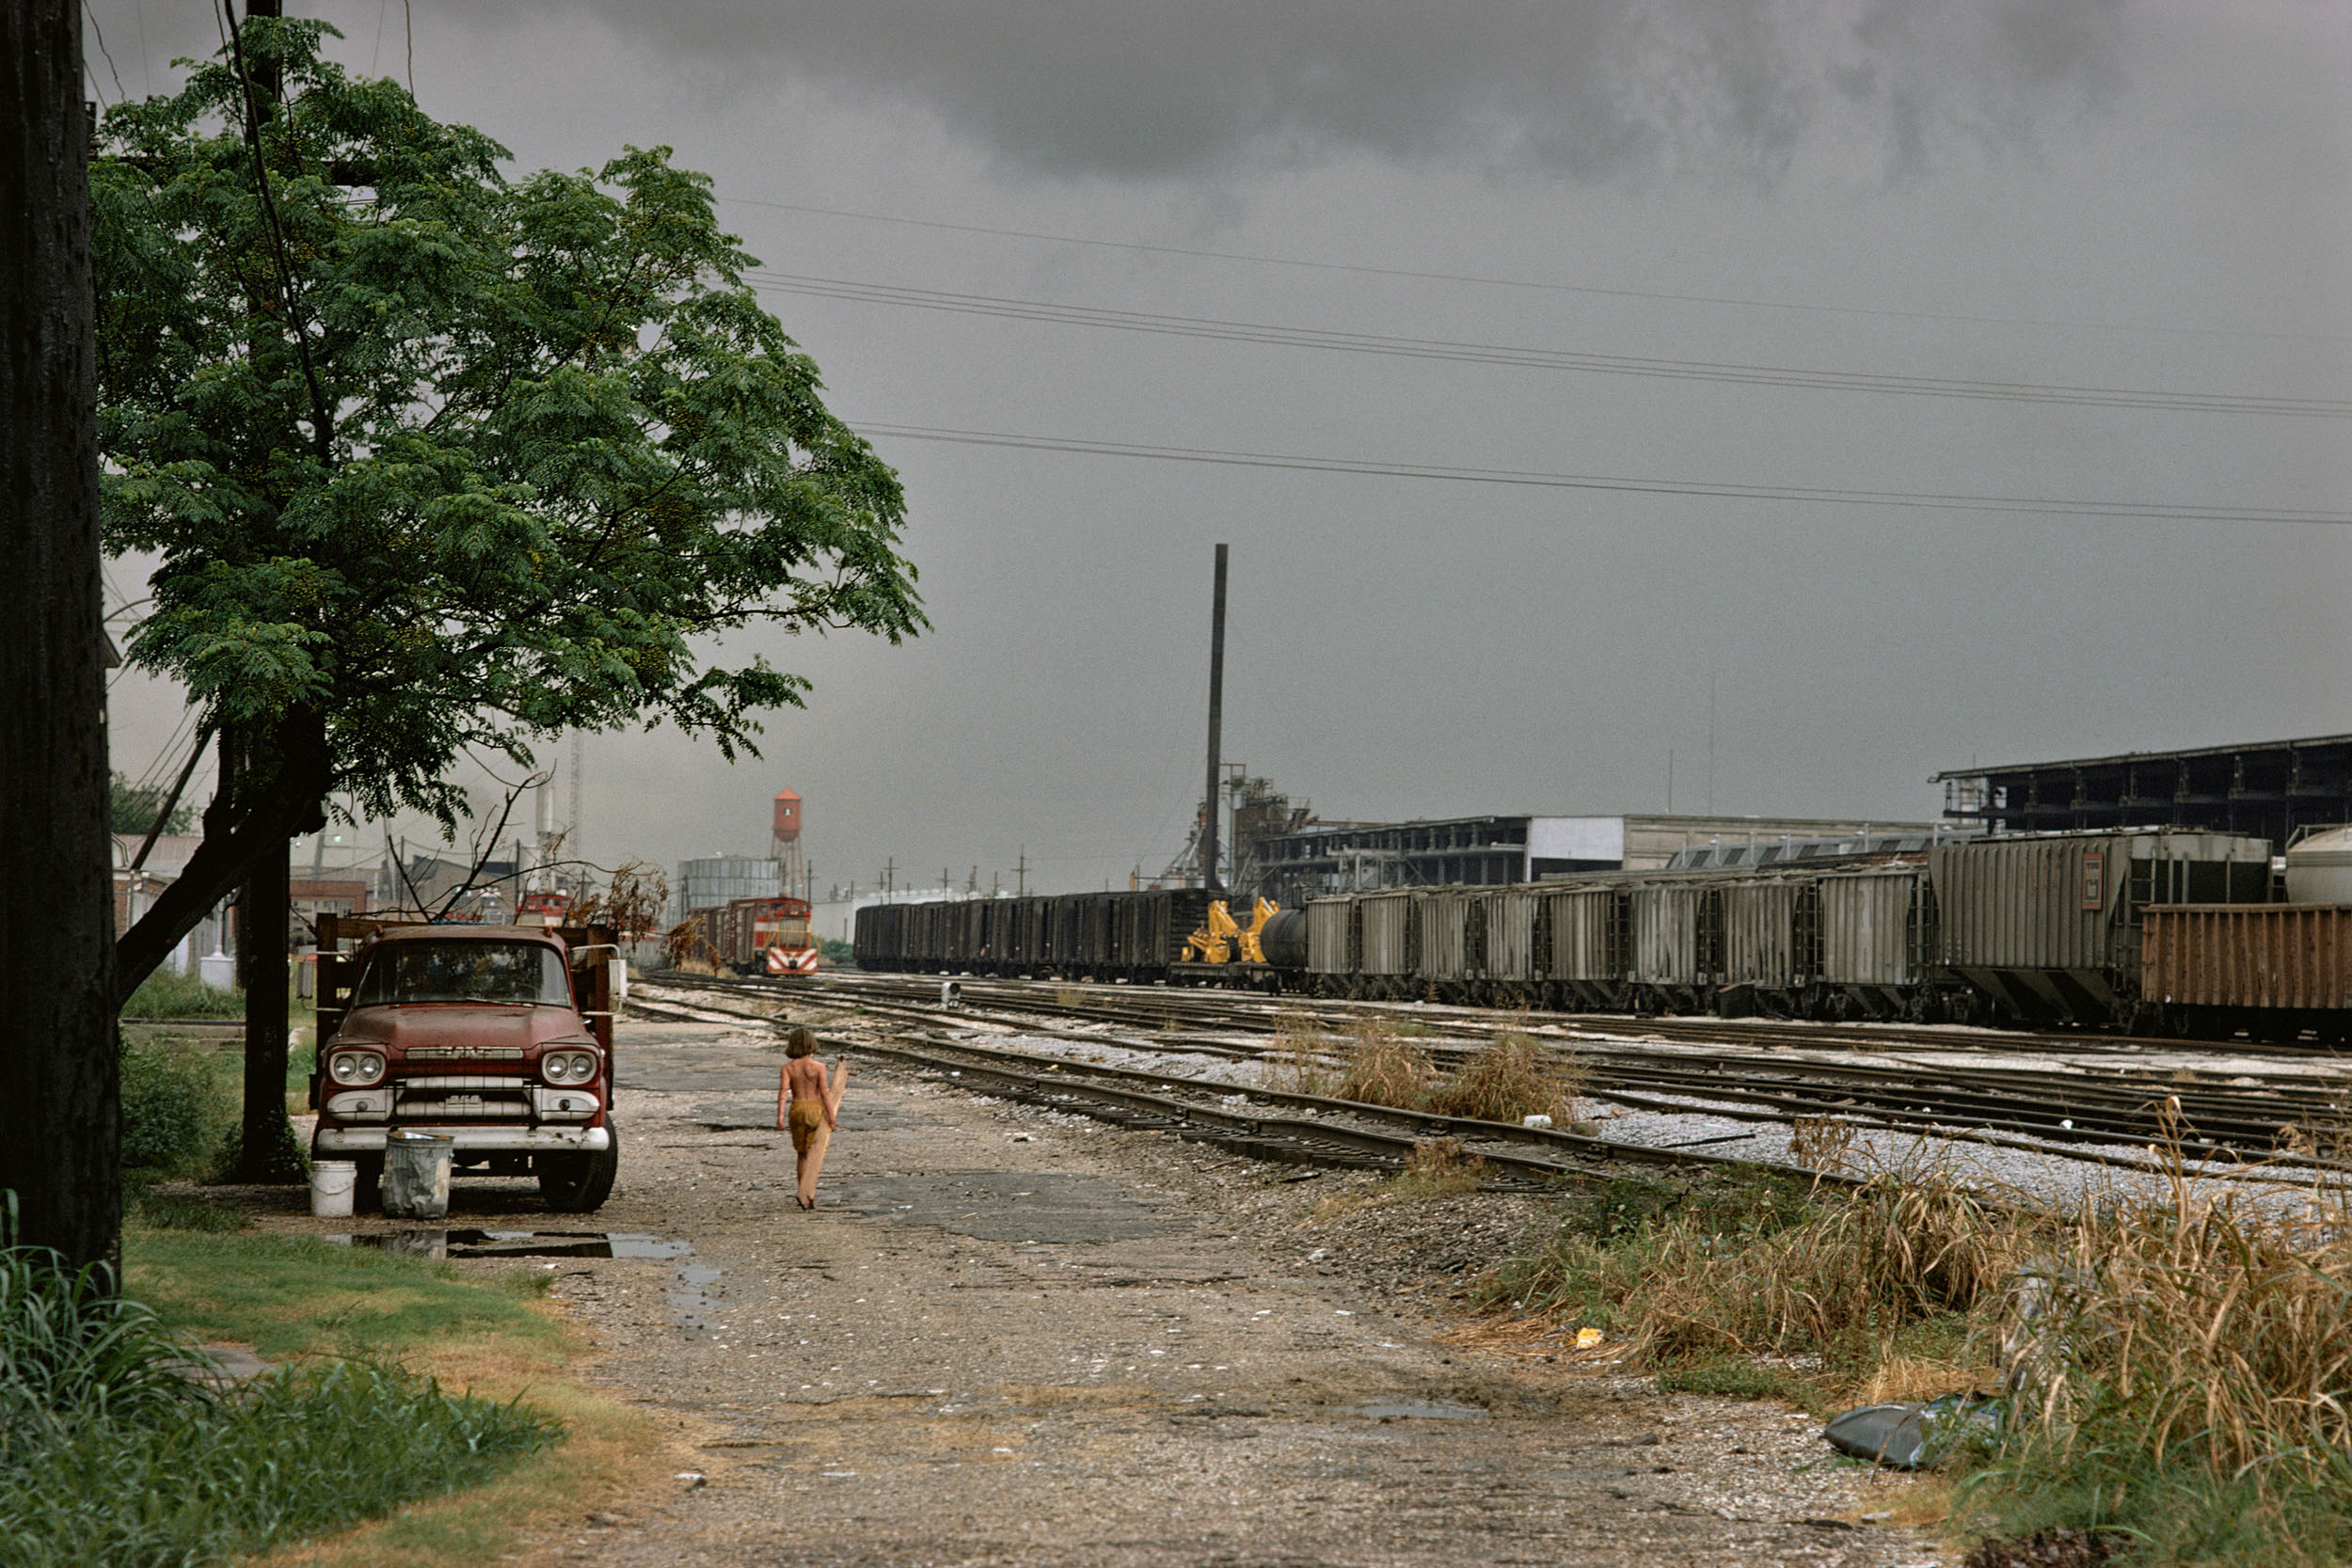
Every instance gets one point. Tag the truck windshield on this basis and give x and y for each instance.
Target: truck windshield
(524, 973)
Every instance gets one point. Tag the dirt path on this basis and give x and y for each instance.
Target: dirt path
(1013, 1337)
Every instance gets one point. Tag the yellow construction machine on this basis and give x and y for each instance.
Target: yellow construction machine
(1222, 940)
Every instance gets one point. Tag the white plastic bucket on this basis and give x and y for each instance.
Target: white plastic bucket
(331, 1186)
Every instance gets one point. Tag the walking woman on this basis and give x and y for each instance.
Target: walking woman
(809, 1105)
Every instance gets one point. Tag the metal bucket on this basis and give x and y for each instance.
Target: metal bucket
(416, 1175)
(331, 1186)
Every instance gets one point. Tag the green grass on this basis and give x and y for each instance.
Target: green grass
(112, 1455)
(288, 1296)
(1735, 1377)
(166, 995)
(297, 1298)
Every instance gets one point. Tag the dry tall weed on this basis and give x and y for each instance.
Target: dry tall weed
(2201, 1320)
(1439, 1168)
(1511, 1077)
(1821, 1143)
(1299, 1059)
(1840, 1284)
(1068, 996)
(1382, 1068)
(685, 948)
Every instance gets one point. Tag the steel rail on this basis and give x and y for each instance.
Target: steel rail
(2121, 1105)
(1995, 1099)
(1765, 1031)
(1185, 1103)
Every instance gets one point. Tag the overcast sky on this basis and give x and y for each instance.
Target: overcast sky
(2069, 193)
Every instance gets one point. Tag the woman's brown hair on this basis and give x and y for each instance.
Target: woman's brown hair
(801, 1041)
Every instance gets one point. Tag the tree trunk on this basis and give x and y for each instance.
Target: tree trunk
(60, 1107)
(249, 822)
(266, 1149)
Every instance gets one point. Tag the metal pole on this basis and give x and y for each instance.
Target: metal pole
(1217, 723)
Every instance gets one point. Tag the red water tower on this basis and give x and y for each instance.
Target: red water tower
(785, 844)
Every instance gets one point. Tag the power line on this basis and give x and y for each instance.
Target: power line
(1485, 281)
(1547, 359)
(1819, 495)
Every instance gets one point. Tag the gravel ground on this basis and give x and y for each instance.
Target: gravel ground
(1011, 1336)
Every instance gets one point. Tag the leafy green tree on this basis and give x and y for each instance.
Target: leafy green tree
(133, 808)
(438, 462)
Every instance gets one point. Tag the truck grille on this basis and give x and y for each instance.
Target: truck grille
(440, 1100)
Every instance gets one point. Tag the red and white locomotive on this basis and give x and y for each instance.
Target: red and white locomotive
(759, 936)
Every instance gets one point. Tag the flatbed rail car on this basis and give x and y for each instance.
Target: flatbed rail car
(2034, 929)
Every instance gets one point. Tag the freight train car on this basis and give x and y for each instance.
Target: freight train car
(2045, 927)
(2274, 971)
(2033, 929)
(1090, 936)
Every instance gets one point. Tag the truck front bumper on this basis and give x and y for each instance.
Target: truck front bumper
(469, 1138)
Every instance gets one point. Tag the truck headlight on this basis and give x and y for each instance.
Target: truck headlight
(567, 1067)
(356, 1068)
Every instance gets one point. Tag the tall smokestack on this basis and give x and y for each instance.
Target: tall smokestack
(1217, 723)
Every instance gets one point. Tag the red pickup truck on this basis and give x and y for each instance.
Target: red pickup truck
(500, 1037)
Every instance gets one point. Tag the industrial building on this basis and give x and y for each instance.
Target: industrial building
(1347, 857)
(716, 880)
(2271, 790)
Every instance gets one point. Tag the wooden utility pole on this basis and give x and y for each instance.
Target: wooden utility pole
(60, 1098)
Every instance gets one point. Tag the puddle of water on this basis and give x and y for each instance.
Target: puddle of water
(517, 1243)
(1427, 1410)
(689, 1303)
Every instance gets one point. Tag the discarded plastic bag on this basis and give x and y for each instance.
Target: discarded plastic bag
(1913, 1435)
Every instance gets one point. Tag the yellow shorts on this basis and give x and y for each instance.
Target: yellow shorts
(804, 1117)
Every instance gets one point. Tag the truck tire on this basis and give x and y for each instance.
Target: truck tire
(579, 1183)
(367, 1188)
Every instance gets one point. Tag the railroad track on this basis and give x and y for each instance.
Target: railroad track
(1774, 1072)
(1269, 1124)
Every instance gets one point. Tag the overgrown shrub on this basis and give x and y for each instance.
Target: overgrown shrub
(117, 1452)
(177, 1107)
(164, 994)
(1755, 1266)
(2183, 1354)
(1381, 1068)
(1506, 1079)
(2190, 1378)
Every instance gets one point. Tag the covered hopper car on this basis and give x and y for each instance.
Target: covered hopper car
(2038, 929)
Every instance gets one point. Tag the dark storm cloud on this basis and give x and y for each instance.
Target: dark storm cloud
(1595, 87)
